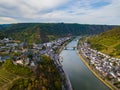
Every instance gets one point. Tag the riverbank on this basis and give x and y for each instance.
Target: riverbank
(67, 85)
(93, 71)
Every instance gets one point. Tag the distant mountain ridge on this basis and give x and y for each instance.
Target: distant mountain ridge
(107, 42)
(42, 32)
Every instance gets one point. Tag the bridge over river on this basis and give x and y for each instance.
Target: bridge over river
(70, 48)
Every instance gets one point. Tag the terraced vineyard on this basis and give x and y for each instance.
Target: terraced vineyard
(6, 77)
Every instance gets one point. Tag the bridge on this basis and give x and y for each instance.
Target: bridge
(70, 48)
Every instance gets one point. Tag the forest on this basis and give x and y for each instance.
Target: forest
(43, 32)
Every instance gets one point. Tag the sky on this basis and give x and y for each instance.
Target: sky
(57, 11)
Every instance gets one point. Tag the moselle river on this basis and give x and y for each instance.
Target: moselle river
(80, 76)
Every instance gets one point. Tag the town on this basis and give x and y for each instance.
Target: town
(29, 55)
(23, 54)
(107, 67)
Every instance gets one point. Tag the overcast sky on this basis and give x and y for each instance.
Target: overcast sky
(68, 11)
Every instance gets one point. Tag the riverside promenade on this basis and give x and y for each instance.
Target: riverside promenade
(111, 88)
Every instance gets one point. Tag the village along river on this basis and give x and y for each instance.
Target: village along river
(80, 76)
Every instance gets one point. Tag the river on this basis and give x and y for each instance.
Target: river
(80, 76)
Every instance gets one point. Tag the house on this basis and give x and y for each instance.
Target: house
(19, 62)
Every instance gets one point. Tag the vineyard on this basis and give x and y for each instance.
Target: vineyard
(6, 77)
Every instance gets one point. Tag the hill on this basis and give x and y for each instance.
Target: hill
(42, 32)
(107, 42)
(16, 77)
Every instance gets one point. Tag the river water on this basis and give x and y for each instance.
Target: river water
(80, 76)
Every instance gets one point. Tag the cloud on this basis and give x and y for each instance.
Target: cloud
(70, 11)
(7, 20)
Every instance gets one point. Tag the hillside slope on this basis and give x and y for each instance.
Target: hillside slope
(42, 32)
(107, 42)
